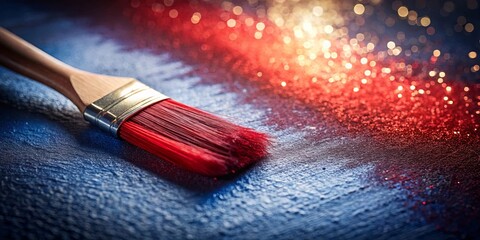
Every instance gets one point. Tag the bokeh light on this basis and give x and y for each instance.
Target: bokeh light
(370, 67)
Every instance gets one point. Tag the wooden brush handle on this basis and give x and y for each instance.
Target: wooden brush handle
(81, 87)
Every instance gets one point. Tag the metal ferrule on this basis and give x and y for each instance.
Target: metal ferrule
(110, 111)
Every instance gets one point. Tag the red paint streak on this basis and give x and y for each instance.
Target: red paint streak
(391, 100)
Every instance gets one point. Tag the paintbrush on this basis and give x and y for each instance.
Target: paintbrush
(188, 137)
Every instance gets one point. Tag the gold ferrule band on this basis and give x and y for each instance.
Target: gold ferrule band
(110, 111)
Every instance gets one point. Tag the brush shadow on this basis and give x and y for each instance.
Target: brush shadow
(97, 139)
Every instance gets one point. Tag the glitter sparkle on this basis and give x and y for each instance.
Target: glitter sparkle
(334, 58)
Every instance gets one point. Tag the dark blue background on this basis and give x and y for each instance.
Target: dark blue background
(59, 177)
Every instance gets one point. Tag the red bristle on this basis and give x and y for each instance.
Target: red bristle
(194, 139)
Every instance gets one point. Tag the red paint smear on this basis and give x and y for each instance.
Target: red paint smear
(375, 106)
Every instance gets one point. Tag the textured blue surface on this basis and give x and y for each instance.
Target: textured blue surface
(59, 177)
